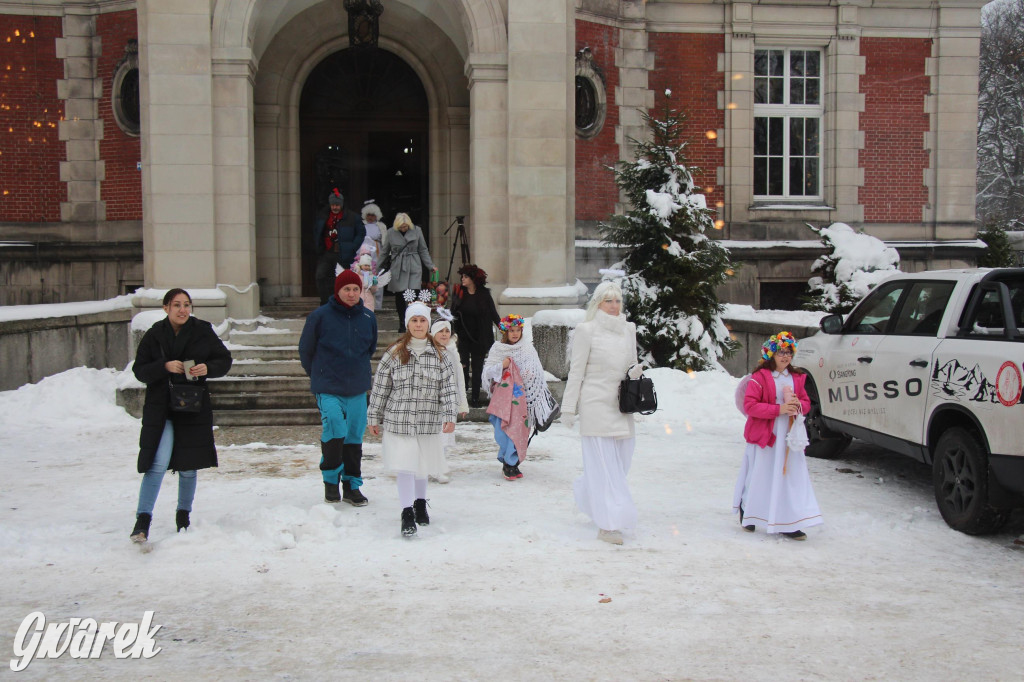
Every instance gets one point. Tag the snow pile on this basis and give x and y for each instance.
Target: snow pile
(854, 264)
(44, 310)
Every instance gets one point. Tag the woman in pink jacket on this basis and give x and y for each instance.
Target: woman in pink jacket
(774, 487)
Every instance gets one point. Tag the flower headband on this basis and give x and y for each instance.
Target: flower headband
(510, 321)
(780, 340)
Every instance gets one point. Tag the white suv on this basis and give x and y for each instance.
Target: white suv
(930, 365)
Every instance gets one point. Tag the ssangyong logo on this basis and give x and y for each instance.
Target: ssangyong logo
(842, 374)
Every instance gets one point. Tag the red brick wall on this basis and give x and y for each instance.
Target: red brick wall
(894, 123)
(596, 192)
(122, 188)
(30, 151)
(687, 64)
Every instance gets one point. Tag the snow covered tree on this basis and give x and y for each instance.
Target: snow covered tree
(854, 264)
(1001, 114)
(999, 253)
(673, 268)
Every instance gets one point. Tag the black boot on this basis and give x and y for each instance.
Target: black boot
(420, 508)
(331, 459)
(352, 457)
(141, 531)
(408, 522)
(181, 519)
(352, 495)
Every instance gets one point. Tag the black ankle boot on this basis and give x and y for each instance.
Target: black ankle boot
(141, 531)
(408, 522)
(352, 495)
(331, 492)
(419, 507)
(181, 519)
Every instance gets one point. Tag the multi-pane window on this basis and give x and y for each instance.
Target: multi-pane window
(787, 124)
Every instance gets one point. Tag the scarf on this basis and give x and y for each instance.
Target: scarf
(506, 406)
(526, 358)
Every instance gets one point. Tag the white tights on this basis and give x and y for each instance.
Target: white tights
(410, 488)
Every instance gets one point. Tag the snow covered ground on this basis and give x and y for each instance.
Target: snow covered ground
(509, 581)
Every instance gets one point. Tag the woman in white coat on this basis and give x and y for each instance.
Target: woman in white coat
(603, 350)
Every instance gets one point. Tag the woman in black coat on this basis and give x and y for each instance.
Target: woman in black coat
(475, 320)
(182, 441)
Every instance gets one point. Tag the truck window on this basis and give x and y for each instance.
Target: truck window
(989, 321)
(923, 308)
(873, 313)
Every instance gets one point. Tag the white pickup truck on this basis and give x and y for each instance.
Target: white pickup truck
(930, 365)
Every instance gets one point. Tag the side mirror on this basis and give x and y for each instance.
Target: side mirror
(832, 324)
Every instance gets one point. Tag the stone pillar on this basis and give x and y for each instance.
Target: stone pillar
(737, 99)
(541, 263)
(175, 77)
(632, 94)
(488, 163)
(953, 138)
(234, 203)
(844, 102)
(82, 128)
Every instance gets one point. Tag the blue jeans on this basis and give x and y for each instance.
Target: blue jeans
(152, 479)
(506, 448)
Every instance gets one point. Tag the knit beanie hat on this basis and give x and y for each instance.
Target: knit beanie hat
(416, 308)
(439, 325)
(365, 259)
(347, 277)
(335, 198)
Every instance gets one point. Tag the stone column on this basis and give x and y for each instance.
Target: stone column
(953, 138)
(844, 103)
(632, 94)
(737, 99)
(541, 256)
(234, 203)
(175, 76)
(82, 128)
(488, 163)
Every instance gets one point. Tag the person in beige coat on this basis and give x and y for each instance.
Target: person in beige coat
(603, 350)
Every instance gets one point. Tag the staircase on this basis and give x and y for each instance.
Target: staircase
(266, 384)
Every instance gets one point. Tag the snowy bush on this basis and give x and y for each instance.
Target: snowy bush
(854, 264)
(673, 268)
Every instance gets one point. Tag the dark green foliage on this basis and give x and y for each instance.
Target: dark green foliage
(999, 254)
(673, 267)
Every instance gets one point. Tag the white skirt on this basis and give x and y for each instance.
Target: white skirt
(780, 501)
(421, 455)
(602, 492)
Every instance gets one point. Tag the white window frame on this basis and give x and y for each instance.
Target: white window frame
(788, 111)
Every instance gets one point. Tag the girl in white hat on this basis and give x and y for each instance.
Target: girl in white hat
(413, 402)
(441, 331)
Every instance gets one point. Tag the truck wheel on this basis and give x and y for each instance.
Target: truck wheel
(824, 444)
(960, 476)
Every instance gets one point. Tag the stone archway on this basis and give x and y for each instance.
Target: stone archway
(364, 127)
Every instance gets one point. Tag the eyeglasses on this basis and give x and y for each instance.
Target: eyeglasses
(784, 353)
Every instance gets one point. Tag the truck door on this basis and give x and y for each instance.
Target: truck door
(851, 367)
(903, 360)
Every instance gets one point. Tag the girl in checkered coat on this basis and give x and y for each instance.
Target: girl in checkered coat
(413, 401)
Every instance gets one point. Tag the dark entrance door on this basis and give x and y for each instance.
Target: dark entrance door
(363, 120)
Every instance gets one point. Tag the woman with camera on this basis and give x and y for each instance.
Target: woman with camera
(178, 351)
(603, 350)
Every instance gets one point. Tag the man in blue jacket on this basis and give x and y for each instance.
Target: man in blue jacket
(337, 234)
(335, 349)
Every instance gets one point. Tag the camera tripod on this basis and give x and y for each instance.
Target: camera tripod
(460, 235)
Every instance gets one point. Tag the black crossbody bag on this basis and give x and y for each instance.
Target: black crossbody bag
(186, 397)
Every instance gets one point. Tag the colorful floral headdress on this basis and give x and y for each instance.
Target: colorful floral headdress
(780, 340)
(510, 321)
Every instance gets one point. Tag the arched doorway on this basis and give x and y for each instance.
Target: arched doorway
(364, 124)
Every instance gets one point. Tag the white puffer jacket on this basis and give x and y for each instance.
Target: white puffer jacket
(602, 350)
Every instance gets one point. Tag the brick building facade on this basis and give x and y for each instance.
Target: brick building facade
(797, 112)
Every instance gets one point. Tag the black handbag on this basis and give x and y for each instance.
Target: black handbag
(637, 396)
(186, 397)
(556, 412)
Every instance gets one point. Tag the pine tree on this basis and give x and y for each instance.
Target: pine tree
(853, 263)
(673, 269)
(999, 253)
